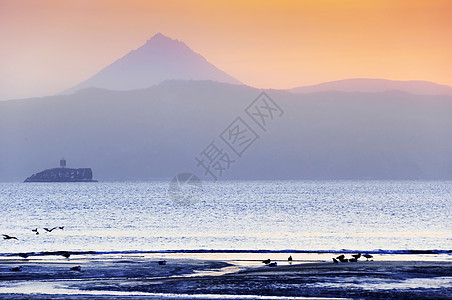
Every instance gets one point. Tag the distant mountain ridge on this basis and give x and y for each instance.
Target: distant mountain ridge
(156, 133)
(160, 58)
(369, 85)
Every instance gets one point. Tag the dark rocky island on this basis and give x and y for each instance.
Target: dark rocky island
(63, 174)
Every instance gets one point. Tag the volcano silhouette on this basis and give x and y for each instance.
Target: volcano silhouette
(160, 58)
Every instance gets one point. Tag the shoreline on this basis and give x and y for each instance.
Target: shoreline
(139, 276)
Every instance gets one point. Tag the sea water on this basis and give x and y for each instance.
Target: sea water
(228, 215)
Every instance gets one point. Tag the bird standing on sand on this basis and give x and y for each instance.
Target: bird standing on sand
(273, 264)
(342, 258)
(8, 237)
(267, 261)
(16, 269)
(368, 256)
(356, 256)
(76, 268)
(335, 261)
(290, 259)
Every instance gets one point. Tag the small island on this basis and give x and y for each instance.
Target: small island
(63, 174)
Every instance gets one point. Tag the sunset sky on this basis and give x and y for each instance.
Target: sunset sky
(51, 45)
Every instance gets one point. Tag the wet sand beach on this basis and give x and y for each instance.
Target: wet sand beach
(137, 277)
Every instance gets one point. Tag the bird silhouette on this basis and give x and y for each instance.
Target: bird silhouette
(357, 256)
(61, 227)
(368, 256)
(267, 261)
(16, 269)
(162, 262)
(342, 258)
(8, 237)
(273, 264)
(50, 230)
(335, 261)
(66, 254)
(35, 230)
(76, 268)
(290, 259)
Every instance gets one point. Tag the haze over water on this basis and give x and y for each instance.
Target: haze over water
(245, 215)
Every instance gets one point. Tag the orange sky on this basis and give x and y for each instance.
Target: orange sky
(50, 45)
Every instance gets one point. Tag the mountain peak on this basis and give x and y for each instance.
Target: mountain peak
(160, 38)
(160, 35)
(160, 58)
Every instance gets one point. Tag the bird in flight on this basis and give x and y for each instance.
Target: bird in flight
(51, 229)
(7, 237)
(35, 230)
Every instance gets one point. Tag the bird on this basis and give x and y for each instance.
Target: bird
(353, 260)
(267, 261)
(76, 268)
(368, 256)
(61, 227)
(273, 264)
(66, 254)
(357, 256)
(8, 237)
(16, 269)
(342, 258)
(35, 230)
(162, 262)
(335, 261)
(24, 255)
(50, 230)
(290, 259)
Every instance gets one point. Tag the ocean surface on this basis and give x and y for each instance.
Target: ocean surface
(228, 215)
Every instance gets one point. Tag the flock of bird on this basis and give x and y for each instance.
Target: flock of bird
(63, 253)
(269, 262)
(48, 230)
(341, 258)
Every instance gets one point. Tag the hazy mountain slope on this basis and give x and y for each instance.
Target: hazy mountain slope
(378, 85)
(160, 59)
(157, 132)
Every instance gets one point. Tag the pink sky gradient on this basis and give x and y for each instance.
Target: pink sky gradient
(48, 46)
